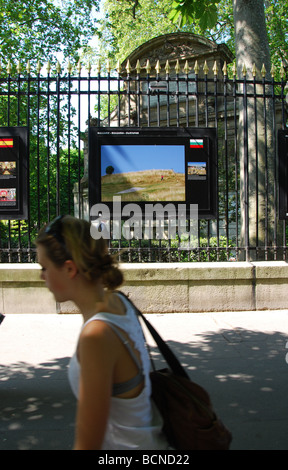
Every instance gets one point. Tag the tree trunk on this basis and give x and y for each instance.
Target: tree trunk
(255, 132)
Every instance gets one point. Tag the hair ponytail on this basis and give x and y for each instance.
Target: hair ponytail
(90, 255)
(112, 278)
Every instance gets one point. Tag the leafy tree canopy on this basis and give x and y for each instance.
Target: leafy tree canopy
(187, 11)
(211, 15)
(40, 29)
(129, 23)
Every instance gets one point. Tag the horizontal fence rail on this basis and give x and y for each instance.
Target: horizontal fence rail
(59, 108)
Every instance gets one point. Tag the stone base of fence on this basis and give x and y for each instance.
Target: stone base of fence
(162, 288)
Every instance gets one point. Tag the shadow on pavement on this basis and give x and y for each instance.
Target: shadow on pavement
(37, 407)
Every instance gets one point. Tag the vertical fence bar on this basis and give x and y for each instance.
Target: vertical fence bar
(225, 97)
(255, 113)
(8, 124)
(275, 172)
(108, 92)
(215, 70)
(186, 71)
(157, 92)
(79, 143)
(196, 70)
(18, 124)
(148, 69)
(48, 145)
(98, 92)
(266, 167)
(28, 169)
(245, 200)
(128, 69)
(167, 69)
(119, 93)
(236, 161)
(38, 151)
(89, 115)
(138, 94)
(205, 69)
(58, 98)
(177, 70)
(69, 85)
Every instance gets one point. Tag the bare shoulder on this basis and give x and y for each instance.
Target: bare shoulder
(97, 344)
(96, 329)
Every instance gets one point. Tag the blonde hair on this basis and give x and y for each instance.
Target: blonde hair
(74, 242)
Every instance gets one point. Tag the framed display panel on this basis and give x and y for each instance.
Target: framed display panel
(283, 173)
(13, 173)
(154, 165)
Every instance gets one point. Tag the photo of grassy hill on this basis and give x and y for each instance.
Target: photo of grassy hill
(144, 185)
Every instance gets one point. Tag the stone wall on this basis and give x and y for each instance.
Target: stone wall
(162, 288)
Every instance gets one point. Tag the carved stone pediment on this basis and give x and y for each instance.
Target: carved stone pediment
(177, 46)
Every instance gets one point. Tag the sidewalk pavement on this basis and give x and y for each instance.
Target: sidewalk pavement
(239, 357)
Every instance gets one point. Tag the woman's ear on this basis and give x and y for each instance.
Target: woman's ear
(71, 268)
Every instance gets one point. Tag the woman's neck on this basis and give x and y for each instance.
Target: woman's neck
(90, 299)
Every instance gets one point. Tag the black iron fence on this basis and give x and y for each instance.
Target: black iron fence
(59, 107)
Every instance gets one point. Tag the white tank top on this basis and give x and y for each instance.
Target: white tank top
(133, 423)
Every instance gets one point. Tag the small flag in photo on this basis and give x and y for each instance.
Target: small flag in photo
(196, 143)
(6, 142)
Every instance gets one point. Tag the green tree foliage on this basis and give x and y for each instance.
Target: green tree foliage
(277, 26)
(124, 28)
(186, 12)
(217, 16)
(40, 29)
(128, 24)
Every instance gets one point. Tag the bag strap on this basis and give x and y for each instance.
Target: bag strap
(166, 352)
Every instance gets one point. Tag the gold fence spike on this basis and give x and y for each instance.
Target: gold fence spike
(38, 69)
(99, 67)
(28, 66)
(128, 67)
(244, 71)
(69, 66)
(186, 68)
(196, 68)
(263, 71)
(138, 67)
(118, 67)
(206, 68)
(19, 67)
(9, 68)
(58, 67)
(234, 69)
(148, 67)
(48, 67)
(215, 68)
(79, 66)
(254, 70)
(282, 71)
(177, 67)
(158, 67)
(224, 69)
(89, 68)
(108, 66)
(0, 67)
(167, 67)
(272, 70)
